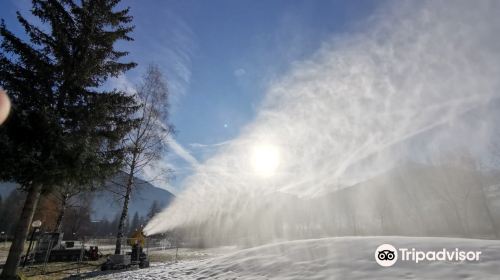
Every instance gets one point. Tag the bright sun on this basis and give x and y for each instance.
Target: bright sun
(265, 159)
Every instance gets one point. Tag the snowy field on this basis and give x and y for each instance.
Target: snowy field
(330, 258)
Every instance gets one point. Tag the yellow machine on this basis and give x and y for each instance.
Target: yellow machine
(137, 238)
(137, 257)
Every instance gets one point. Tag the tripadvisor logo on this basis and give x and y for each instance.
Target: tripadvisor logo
(387, 255)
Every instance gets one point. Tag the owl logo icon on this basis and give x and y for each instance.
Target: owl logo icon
(386, 255)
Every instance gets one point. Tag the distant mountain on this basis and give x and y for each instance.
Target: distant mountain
(107, 205)
(6, 188)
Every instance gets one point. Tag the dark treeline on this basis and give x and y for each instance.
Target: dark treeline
(77, 223)
(10, 207)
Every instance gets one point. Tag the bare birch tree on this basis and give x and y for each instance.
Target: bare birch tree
(148, 141)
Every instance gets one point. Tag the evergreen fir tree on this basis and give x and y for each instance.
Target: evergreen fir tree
(134, 226)
(63, 130)
(153, 210)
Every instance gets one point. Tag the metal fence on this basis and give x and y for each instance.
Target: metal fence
(107, 245)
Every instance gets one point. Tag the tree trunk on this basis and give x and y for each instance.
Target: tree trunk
(22, 228)
(123, 217)
(62, 211)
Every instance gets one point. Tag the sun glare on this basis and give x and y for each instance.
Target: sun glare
(265, 159)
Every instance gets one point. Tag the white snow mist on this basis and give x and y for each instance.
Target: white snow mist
(416, 79)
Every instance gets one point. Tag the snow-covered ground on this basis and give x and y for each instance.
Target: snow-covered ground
(331, 258)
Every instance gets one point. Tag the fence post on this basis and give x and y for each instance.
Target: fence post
(47, 256)
(82, 252)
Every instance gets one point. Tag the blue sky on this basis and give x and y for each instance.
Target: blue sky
(219, 57)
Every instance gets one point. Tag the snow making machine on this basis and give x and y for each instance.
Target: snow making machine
(136, 257)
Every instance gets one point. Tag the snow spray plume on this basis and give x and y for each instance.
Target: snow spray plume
(402, 87)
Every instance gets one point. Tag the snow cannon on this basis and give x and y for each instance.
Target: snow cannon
(137, 237)
(136, 257)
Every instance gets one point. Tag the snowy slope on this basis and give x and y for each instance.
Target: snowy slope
(331, 258)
